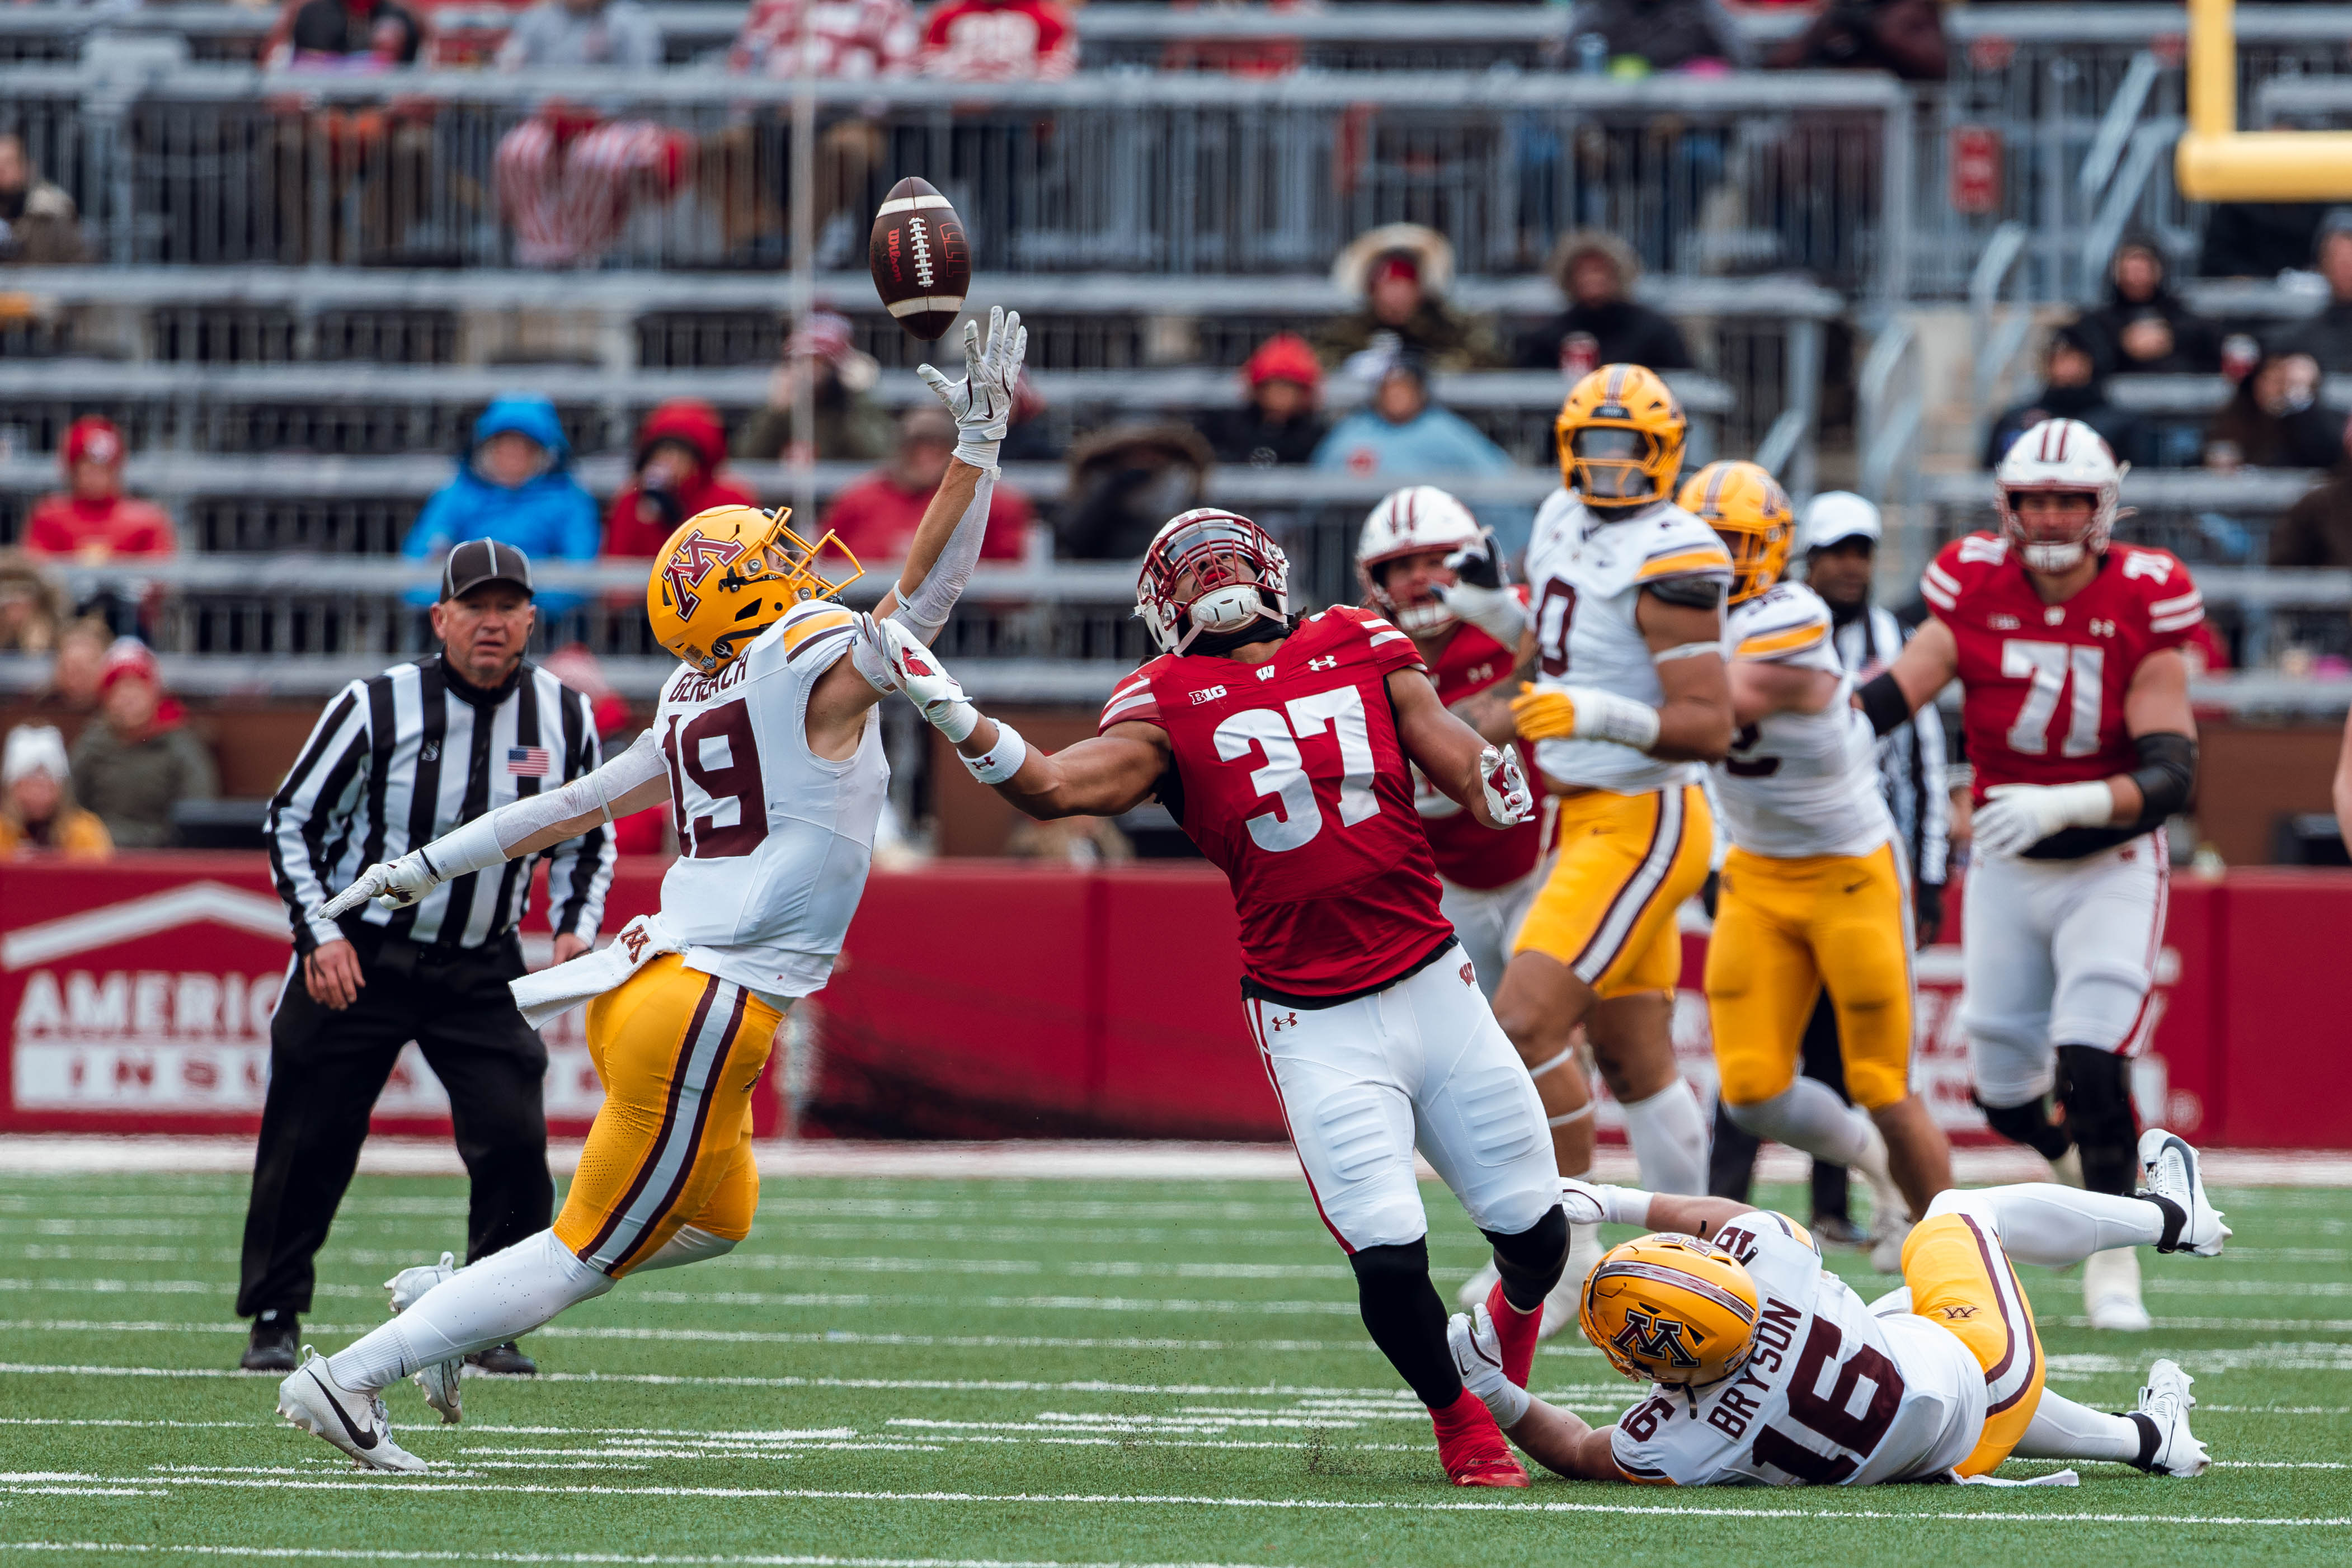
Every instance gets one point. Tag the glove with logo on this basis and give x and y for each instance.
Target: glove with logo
(1583, 713)
(2016, 817)
(398, 884)
(936, 694)
(1508, 799)
(982, 403)
(1481, 592)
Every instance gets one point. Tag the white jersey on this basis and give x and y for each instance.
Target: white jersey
(774, 842)
(1798, 784)
(1829, 1396)
(1586, 575)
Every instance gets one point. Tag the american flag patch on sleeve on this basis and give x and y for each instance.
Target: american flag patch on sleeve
(527, 761)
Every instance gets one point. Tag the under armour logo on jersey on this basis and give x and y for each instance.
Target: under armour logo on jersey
(1284, 1020)
(1654, 1339)
(2001, 622)
(2102, 628)
(1328, 661)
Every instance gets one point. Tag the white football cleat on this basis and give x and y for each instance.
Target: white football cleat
(443, 1382)
(1478, 1357)
(2165, 1401)
(2111, 1291)
(2172, 1174)
(352, 1421)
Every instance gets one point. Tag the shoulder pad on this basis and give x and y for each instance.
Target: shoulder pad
(1960, 566)
(2161, 584)
(1675, 543)
(1785, 619)
(1134, 699)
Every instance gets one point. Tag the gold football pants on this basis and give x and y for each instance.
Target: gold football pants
(1625, 864)
(1961, 1279)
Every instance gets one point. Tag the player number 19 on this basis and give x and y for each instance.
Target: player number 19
(1284, 777)
(2047, 665)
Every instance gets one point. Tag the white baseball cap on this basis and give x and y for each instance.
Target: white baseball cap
(1834, 515)
(34, 749)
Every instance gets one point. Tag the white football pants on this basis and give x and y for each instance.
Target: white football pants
(1487, 918)
(1423, 1065)
(2059, 953)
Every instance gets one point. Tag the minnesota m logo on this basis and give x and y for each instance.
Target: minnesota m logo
(1654, 1339)
(691, 562)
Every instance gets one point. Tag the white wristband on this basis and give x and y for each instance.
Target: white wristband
(978, 452)
(955, 720)
(1605, 715)
(1000, 762)
(1625, 1206)
(470, 848)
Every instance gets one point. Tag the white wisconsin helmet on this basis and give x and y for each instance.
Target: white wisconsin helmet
(1406, 522)
(2058, 456)
(1236, 574)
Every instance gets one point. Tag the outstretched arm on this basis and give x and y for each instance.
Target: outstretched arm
(1486, 779)
(1101, 777)
(1565, 1444)
(1925, 666)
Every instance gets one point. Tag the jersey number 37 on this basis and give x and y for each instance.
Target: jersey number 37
(1296, 816)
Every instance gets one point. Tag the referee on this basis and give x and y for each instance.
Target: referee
(397, 761)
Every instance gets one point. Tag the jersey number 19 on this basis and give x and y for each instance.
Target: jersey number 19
(688, 744)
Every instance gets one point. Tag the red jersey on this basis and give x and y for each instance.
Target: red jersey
(1469, 853)
(2042, 684)
(63, 526)
(1289, 775)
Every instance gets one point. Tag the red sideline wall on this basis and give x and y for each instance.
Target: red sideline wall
(984, 998)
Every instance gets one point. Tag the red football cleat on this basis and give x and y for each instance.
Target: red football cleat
(1472, 1448)
(1516, 1331)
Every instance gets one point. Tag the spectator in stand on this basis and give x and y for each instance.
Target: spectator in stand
(1401, 434)
(2147, 329)
(344, 35)
(40, 226)
(849, 427)
(576, 33)
(1401, 272)
(514, 486)
(874, 518)
(1644, 37)
(2073, 386)
(1905, 37)
(36, 805)
(78, 666)
(32, 607)
(93, 521)
(1279, 422)
(1602, 326)
(1126, 483)
(2318, 529)
(1000, 40)
(678, 472)
(2275, 420)
(847, 40)
(139, 760)
(2328, 337)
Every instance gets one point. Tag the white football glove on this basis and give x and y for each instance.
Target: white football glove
(1505, 784)
(927, 684)
(982, 403)
(1480, 592)
(1582, 1202)
(398, 885)
(1478, 1354)
(2016, 817)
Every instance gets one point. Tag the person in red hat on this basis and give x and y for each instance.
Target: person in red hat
(1280, 422)
(680, 447)
(139, 760)
(94, 521)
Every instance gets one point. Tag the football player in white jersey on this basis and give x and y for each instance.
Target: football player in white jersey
(1768, 1370)
(1814, 891)
(1628, 698)
(766, 747)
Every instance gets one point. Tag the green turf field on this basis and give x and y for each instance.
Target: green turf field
(1032, 1371)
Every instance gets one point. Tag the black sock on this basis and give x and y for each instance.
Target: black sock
(1532, 1261)
(2176, 1220)
(2149, 1437)
(1406, 1319)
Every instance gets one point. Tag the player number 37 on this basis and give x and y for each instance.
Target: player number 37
(1299, 816)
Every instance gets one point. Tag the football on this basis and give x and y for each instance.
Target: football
(919, 257)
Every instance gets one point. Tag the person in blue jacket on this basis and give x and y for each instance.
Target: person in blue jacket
(514, 486)
(1400, 433)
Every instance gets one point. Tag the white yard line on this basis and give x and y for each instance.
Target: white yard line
(361, 1554)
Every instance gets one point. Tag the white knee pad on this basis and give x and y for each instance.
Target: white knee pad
(2010, 1061)
(689, 1245)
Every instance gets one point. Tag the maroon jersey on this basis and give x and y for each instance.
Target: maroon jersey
(2042, 684)
(1469, 853)
(1289, 775)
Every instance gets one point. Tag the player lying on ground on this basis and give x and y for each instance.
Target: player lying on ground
(766, 747)
(1769, 1371)
(2075, 704)
(1285, 747)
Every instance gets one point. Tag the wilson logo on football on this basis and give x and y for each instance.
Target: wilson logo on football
(696, 556)
(1654, 1339)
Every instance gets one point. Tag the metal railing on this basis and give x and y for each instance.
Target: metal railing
(1170, 173)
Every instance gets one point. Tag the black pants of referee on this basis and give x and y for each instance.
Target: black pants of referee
(1731, 1164)
(326, 1068)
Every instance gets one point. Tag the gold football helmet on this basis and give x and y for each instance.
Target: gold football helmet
(728, 574)
(1672, 1310)
(1749, 510)
(1621, 436)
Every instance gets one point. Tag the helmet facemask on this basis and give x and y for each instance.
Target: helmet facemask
(1212, 581)
(1421, 619)
(2055, 546)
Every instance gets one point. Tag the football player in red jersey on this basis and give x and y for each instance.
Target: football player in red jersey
(2075, 706)
(1286, 745)
(1434, 572)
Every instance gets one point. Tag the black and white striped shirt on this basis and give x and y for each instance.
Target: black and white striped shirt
(1911, 754)
(404, 758)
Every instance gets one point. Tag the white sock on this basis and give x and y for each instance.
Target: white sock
(1808, 1115)
(1669, 1139)
(2042, 1222)
(2062, 1430)
(486, 1303)
(689, 1245)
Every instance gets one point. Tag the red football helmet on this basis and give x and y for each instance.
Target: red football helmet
(1209, 570)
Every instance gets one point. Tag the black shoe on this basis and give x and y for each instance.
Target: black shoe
(504, 1361)
(1837, 1230)
(276, 1344)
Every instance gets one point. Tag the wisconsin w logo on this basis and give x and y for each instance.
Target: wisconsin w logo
(691, 562)
(1654, 1339)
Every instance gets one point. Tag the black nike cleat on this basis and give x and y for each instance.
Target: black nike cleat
(276, 1344)
(503, 1361)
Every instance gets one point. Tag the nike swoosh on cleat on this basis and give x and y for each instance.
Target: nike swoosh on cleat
(364, 1439)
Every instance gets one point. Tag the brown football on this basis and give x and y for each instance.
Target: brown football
(921, 260)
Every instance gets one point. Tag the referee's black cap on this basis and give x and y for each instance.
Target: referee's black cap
(479, 562)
